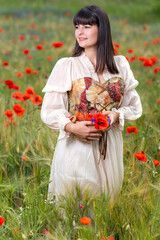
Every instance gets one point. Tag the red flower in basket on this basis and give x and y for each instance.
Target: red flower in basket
(101, 121)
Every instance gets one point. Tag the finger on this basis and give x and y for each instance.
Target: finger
(85, 140)
(106, 113)
(94, 130)
(95, 135)
(92, 139)
(88, 123)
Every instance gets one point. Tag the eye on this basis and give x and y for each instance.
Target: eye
(76, 26)
(87, 26)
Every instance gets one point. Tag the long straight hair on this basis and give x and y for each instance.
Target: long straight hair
(94, 15)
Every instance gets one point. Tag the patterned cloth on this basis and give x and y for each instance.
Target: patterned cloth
(90, 96)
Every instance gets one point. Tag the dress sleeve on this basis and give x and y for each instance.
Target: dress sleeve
(54, 112)
(131, 107)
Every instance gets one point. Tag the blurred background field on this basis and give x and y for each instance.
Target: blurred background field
(27, 145)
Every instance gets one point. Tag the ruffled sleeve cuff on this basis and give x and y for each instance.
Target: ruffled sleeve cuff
(120, 124)
(62, 132)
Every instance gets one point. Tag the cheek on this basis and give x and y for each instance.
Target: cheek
(94, 35)
(75, 34)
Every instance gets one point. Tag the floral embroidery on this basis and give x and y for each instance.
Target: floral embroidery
(90, 96)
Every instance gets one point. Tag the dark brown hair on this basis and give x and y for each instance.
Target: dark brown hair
(94, 15)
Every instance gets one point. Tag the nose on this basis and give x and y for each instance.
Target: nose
(80, 29)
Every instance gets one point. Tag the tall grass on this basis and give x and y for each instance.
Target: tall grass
(23, 184)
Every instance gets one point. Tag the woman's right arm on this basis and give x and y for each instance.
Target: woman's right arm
(55, 115)
(54, 111)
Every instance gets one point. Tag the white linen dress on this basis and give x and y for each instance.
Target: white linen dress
(75, 161)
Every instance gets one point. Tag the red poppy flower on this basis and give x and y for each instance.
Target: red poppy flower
(80, 116)
(24, 158)
(9, 113)
(141, 156)
(156, 162)
(1, 30)
(21, 38)
(14, 86)
(45, 231)
(148, 81)
(34, 25)
(127, 58)
(18, 96)
(154, 59)
(26, 96)
(85, 220)
(39, 47)
(44, 30)
(132, 129)
(153, 42)
(1, 220)
(158, 100)
(116, 45)
(5, 64)
(8, 82)
(35, 72)
(115, 51)
(18, 110)
(19, 74)
(102, 238)
(130, 50)
(124, 22)
(145, 28)
(146, 43)
(101, 121)
(68, 14)
(30, 91)
(42, 42)
(141, 58)
(57, 44)
(26, 51)
(28, 71)
(159, 153)
(157, 69)
(132, 59)
(88, 117)
(37, 99)
(81, 206)
(49, 58)
(148, 63)
(29, 57)
(35, 36)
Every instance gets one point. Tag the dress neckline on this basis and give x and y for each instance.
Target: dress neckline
(87, 62)
(91, 68)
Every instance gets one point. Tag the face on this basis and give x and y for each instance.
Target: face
(86, 35)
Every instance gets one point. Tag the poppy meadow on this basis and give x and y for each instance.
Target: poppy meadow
(32, 40)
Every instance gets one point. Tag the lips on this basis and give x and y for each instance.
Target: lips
(82, 39)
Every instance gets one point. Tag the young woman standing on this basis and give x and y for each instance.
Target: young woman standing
(92, 80)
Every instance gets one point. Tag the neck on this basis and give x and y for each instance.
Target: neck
(91, 54)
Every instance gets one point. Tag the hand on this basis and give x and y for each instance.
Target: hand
(114, 117)
(84, 130)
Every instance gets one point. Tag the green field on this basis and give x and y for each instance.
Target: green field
(27, 145)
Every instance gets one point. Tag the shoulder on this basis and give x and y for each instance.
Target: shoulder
(65, 60)
(63, 65)
(121, 60)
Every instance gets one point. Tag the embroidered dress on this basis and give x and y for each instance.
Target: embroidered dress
(74, 86)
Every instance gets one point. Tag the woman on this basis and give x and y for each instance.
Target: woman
(92, 80)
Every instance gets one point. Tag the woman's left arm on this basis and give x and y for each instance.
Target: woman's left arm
(131, 107)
